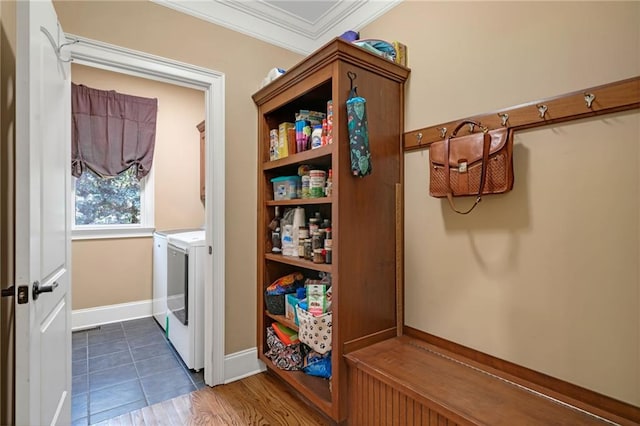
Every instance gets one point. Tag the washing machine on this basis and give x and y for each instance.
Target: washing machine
(186, 257)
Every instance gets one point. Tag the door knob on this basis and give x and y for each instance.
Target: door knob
(37, 288)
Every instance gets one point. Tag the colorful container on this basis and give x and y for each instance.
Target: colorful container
(285, 187)
(317, 180)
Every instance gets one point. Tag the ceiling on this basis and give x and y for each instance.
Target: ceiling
(301, 26)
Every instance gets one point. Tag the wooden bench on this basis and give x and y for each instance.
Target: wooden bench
(407, 381)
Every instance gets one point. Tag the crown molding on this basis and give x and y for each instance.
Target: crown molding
(268, 22)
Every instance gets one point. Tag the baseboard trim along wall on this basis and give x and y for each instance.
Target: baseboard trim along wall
(81, 319)
(237, 365)
(242, 364)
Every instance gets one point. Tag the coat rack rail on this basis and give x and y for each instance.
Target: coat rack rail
(613, 97)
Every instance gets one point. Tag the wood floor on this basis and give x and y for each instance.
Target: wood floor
(256, 400)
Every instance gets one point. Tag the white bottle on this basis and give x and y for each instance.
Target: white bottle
(298, 221)
(316, 137)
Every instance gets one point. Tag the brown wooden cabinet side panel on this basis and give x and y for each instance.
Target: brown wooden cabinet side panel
(366, 237)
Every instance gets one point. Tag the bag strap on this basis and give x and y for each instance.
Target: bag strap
(483, 171)
(463, 122)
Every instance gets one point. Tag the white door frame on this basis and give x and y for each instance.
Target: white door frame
(118, 59)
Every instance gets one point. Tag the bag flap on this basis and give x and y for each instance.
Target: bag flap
(467, 148)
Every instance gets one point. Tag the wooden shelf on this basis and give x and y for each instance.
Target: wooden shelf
(300, 157)
(282, 320)
(300, 263)
(315, 389)
(300, 201)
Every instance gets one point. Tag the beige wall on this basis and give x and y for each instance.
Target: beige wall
(547, 275)
(151, 28)
(115, 271)
(7, 149)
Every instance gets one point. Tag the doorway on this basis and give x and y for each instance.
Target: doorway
(113, 58)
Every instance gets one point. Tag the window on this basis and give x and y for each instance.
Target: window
(112, 207)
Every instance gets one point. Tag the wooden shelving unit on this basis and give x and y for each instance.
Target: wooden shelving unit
(363, 211)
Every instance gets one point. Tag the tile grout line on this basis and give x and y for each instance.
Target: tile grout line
(135, 366)
(87, 374)
(137, 378)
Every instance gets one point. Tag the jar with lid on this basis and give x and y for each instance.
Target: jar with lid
(328, 242)
(303, 234)
(318, 256)
(308, 251)
(328, 190)
(316, 241)
(314, 225)
(316, 183)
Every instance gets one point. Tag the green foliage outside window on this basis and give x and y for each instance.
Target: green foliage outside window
(107, 201)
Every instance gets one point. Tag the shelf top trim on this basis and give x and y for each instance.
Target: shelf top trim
(337, 49)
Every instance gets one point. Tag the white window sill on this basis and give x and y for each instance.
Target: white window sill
(111, 232)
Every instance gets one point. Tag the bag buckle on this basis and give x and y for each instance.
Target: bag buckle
(462, 167)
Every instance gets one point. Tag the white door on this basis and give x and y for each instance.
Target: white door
(43, 125)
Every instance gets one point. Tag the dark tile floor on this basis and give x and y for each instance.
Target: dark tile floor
(125, 366)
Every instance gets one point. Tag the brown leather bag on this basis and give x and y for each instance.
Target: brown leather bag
(478, 164)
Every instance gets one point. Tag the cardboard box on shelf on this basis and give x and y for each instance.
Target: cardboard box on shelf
(283, 139)
(401, 53)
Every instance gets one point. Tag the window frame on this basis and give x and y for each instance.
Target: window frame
(135, 230)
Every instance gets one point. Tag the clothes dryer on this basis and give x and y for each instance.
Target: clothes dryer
(186, 256)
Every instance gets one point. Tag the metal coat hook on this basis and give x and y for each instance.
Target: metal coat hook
(419, 138)
(443, 132)
(589, 98)
(55, 46)
(352, 76)
(542, 109)
(504, 118)
(471, 127)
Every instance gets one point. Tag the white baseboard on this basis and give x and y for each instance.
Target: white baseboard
(92, 317)
(242, 364)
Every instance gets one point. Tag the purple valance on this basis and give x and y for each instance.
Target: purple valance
(110, 132)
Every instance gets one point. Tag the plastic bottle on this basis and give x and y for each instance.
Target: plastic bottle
(316, 137)
(276, 243)
(324, 137)
(328, 189)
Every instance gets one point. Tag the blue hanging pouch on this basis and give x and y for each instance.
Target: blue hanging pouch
(358, 134)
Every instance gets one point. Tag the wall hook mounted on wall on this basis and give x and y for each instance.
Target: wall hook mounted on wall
(589, 98)
(352, 89)
(419, 138)
(443, 132)
(471, 127)
(55, 46)
(617, 96)
(542, 109)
